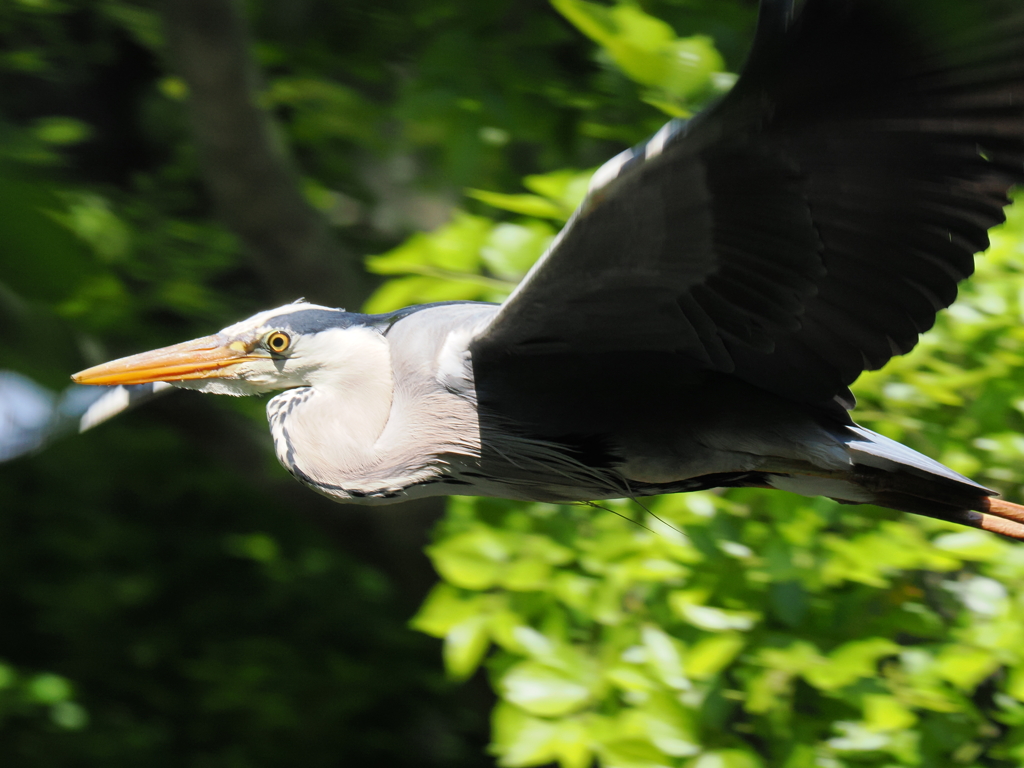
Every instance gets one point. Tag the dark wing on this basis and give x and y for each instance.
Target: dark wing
(811, 224)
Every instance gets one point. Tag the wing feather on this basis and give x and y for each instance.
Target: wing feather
(811, 224)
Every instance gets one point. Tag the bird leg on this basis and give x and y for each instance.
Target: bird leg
(999, 525)
(1001, 516)
(1000, 508)
(987, 514)
(918, 496)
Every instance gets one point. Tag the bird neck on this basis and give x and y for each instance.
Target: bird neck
(328, 432)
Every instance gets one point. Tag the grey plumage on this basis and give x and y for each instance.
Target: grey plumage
(699, 320)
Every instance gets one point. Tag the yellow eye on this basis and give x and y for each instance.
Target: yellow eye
(278, 341)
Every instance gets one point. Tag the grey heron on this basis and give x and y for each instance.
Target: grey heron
(698, 321)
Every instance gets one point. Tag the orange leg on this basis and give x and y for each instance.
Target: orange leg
(1003, 517)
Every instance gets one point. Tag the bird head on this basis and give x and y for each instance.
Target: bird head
(292, 346)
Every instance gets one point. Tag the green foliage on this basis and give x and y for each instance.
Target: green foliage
(48, 692)
(473, 257)
(648, 51)
(747, 628)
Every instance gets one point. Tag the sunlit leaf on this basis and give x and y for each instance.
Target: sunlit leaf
(857, 738)
(406, 291)
(512, 249)
(476, 559)
(522, 740)
(964, 666)
(717, 619)
(886, 713)
(454, 247)
(665, 657)
(633, 753)
(849, 663)
(709, 656)
(444, 607)
(727, 758)
(465, 645)
(528, 205)
(670, 726)
(644, 47)
(567, 187)
(541, 690)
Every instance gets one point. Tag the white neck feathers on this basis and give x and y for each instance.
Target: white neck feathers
(334, 425)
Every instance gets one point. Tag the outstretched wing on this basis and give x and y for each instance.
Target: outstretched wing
(811, 224)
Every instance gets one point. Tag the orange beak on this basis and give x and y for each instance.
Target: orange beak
(207, 358)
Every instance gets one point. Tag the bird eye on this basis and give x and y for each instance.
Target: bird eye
(278, 341)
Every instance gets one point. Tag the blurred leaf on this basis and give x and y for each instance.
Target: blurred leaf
(670, 726)
(522, 740)
(528, 205)
(567, 187)
(324, 110)
(512, 249)
(712, 654)
(455, 247)
(62, 130)
(972, 545)
(473, 560)
(143, 24)
(49, 689)
(253, 546)
(715, 619)
(632, 753)
(465, 645)
(965, 667)
(849, 662)
(727, 758)
(69, 715)
(90, 217)
(443, 609)
(42, 260)
(886, 713)
(644, 47)
(407, 291)
(541, 690)
(665, 657)
(857, 738)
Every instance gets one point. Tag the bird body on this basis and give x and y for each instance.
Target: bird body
(405, 409)
(698, 321)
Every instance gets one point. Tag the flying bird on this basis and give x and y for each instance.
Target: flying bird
(698, 321)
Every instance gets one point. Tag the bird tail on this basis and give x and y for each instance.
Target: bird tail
(900, 478)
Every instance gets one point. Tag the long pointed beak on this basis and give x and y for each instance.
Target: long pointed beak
(206, 358)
